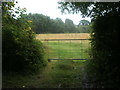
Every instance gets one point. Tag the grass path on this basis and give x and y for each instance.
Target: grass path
(57, 74)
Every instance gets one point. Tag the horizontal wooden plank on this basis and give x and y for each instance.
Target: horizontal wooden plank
(61, 39)
(66, 59)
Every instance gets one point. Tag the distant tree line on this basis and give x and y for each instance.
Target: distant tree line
(44, 24)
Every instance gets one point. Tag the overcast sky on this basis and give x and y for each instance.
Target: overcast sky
(48, 8)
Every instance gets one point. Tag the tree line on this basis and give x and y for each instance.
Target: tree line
(44, 24)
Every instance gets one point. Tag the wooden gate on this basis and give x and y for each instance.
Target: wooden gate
(67, 49)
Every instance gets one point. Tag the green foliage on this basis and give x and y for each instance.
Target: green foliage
(84, 29)
(21, 51)
(84, 26)
(103, 68)
(43, 24)
(69, 26)
(76, 7)
(84, 22)
(104, 52)
(91, 9)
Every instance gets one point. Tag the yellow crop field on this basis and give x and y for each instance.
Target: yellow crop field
(64, 36)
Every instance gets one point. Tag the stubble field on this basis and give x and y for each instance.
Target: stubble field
(66, 49)
(63, 36)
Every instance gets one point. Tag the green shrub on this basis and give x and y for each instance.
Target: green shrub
(21, 51)
(104, 64)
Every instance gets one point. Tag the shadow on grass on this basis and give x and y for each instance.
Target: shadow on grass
(57, 74)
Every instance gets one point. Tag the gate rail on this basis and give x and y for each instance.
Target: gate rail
(63, 40)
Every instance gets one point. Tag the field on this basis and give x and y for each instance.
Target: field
(63, 36)
(66, 49)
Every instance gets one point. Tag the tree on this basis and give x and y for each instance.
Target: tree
(70, 27)
(68, 21)
(44, 24)
(91, 9)
(84, 22)
(84, 26)
(84, 29)
(58, 26)
(103, 68)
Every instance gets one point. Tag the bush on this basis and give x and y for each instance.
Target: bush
(21, 51)
(104, 64)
